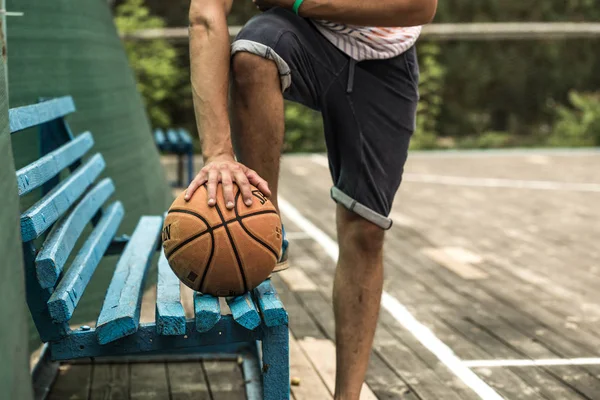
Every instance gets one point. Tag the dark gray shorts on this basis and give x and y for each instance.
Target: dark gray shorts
(368, 107)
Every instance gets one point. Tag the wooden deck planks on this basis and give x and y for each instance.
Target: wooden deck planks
(382, 380)
(412, 362)
(538, 300)
(110, 382)
(321, 353)
(72, 382)
(477, 299)
(310, 384)
(321, 308)
(530, 312)
(175, 380)
(148, 381)
(526, 326)
(394, 356)
(187, 381)
(225, 380)
(457, 315)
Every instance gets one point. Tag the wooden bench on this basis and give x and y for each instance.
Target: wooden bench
(179, 142)
(59, 218)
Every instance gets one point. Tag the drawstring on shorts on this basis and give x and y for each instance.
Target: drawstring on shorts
(351, 67)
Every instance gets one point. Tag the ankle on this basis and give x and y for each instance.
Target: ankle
(346, 397)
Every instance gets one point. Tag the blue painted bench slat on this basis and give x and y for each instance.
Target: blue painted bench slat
(36, 114)
(173, 138)
(207, 311)
(184, 137)
(179, 142)
(45, 212)
(61, 240)
(66, 296)
(271, 308)
(170, 316)
(244, 311)
(159, 138)
(120, 314)
(41, 171)
(81, 344)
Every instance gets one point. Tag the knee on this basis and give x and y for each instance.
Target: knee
(248, 69)
(359, 234)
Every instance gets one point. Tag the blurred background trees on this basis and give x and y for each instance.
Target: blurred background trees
(474, 94)
(154, 62)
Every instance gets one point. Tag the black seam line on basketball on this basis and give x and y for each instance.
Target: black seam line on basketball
(177, 210)
(237, 256)
(188, 240)
(212, 248)
(210, 257)
(239, 219)
(210, 229)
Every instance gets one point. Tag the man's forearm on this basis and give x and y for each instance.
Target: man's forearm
(209, 63)
(403, 13)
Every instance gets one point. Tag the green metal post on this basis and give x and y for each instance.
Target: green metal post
(3, 8)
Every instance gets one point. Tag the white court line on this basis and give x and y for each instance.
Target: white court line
(502, 183)
(297, 235)
(399, 312)
(531, 363)
(486, 182)
(320, 159)
(522, 152)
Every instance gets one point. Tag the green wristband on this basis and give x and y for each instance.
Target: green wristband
(297, 5)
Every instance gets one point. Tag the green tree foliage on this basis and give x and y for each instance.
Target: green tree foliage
(431, 84)
(303, 129)
(473, 93)
(506, 86)
(579, 124)
(154, 62)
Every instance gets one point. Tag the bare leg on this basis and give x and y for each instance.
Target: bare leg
(257, 116)
(258, 128)
(356, 298)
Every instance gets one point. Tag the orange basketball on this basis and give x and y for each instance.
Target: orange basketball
(218, 251)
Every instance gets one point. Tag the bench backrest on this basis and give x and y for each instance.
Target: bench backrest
(59, 217)
(176, 140)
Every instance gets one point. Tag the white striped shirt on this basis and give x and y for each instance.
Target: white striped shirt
(368, 43)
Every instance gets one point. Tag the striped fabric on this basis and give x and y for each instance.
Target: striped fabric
(368, 43)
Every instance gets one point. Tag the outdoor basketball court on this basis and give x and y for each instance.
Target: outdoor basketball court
(492, 277)
(491, 291)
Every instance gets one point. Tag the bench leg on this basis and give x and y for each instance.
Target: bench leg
(276, 363)
(190, 165)
(180, 170)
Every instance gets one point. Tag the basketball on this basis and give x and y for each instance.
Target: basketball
(218, 251)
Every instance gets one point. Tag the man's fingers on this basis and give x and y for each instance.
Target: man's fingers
(190, 190)
(211, 187)
(259, 182)
(227, 187)
(242, 182)
(198, 181)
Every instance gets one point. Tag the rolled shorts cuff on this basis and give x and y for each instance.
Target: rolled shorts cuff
(352, 205)
(262, 50)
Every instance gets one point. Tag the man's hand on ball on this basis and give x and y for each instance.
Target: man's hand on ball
(227, 171)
